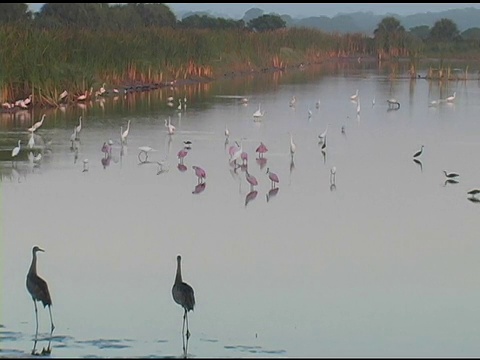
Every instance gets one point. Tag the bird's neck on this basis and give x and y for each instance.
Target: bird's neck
(33, 266)
(178, 277)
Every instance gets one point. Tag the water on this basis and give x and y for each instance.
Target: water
(382, 262)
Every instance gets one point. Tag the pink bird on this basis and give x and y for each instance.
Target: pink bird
(273, 177)
(181, 155)
(261, 149)
(252, 180)
(201, 174)
(244, 157)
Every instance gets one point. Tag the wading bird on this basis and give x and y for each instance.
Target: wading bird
(37, 124)
(452, 98)
(450, 175)
(16, 150)
(419, 152)
(261, 149)
(474, 192)
(125, 133)
(200, 173)
(38, 289)
(273, 177)
(79, 126)
(183, 295)
(169, 126)
(354, 96)
(252, 180)
(293, 147)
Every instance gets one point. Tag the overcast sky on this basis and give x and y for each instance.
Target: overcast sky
(237, 10)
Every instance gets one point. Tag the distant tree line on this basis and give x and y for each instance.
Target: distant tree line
(104, 16)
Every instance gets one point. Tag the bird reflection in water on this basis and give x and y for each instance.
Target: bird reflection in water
(199, 188)
(262, 161)
(474, 199)
(45, 351)
(450, 181)
(272, 193)
(106, 161)
(182, 167)
(419, 163)
(250, 196)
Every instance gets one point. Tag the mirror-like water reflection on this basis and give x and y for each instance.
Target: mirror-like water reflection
(359, 249)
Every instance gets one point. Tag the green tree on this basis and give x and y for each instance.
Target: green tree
(422, 31)
(153, 14)
(471, 34)
(14, 13)
(252, 14)
(444, 30)
(266, 22)
(80, 15)
(389, 36)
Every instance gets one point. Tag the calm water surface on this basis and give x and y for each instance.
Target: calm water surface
(382, 261)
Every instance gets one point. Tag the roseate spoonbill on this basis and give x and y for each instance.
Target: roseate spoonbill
(83, 97)
(261, 149)
(273, 177)
(354, 96)
(183, 295)
(125, 133)
(244, 157)
(200, 173)
(450, 175)
(419, 152)
(252, 180)
(233, 148)
(181, 155)
(237, 154)
(38, 289)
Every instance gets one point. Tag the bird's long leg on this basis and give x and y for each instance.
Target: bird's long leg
(52, 327)
(34, 347)
(36, 319)
(183, 325)
(188, 331)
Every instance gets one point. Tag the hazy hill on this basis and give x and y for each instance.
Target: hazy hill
(366, 22)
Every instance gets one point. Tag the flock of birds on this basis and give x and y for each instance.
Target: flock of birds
(182, 293)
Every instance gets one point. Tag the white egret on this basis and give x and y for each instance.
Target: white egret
(37, 124)
(324, 134)
(169, 126)
(452, 98)
(16, 149)
(354, 96)
(124, 134)
(31, 141)
(259, 112)
(293, 147)
(79, 126)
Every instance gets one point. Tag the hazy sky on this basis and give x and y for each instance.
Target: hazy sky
(237, 10)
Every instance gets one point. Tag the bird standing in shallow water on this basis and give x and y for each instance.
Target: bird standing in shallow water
(183, 295)
(419, 152)
(38, 289)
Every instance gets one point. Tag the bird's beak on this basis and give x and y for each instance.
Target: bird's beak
(39, 249)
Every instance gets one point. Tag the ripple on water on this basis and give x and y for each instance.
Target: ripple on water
(106, 343)
(253, 349)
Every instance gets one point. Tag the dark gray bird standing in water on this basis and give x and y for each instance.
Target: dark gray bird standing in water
(38, 289)
(183, 295)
